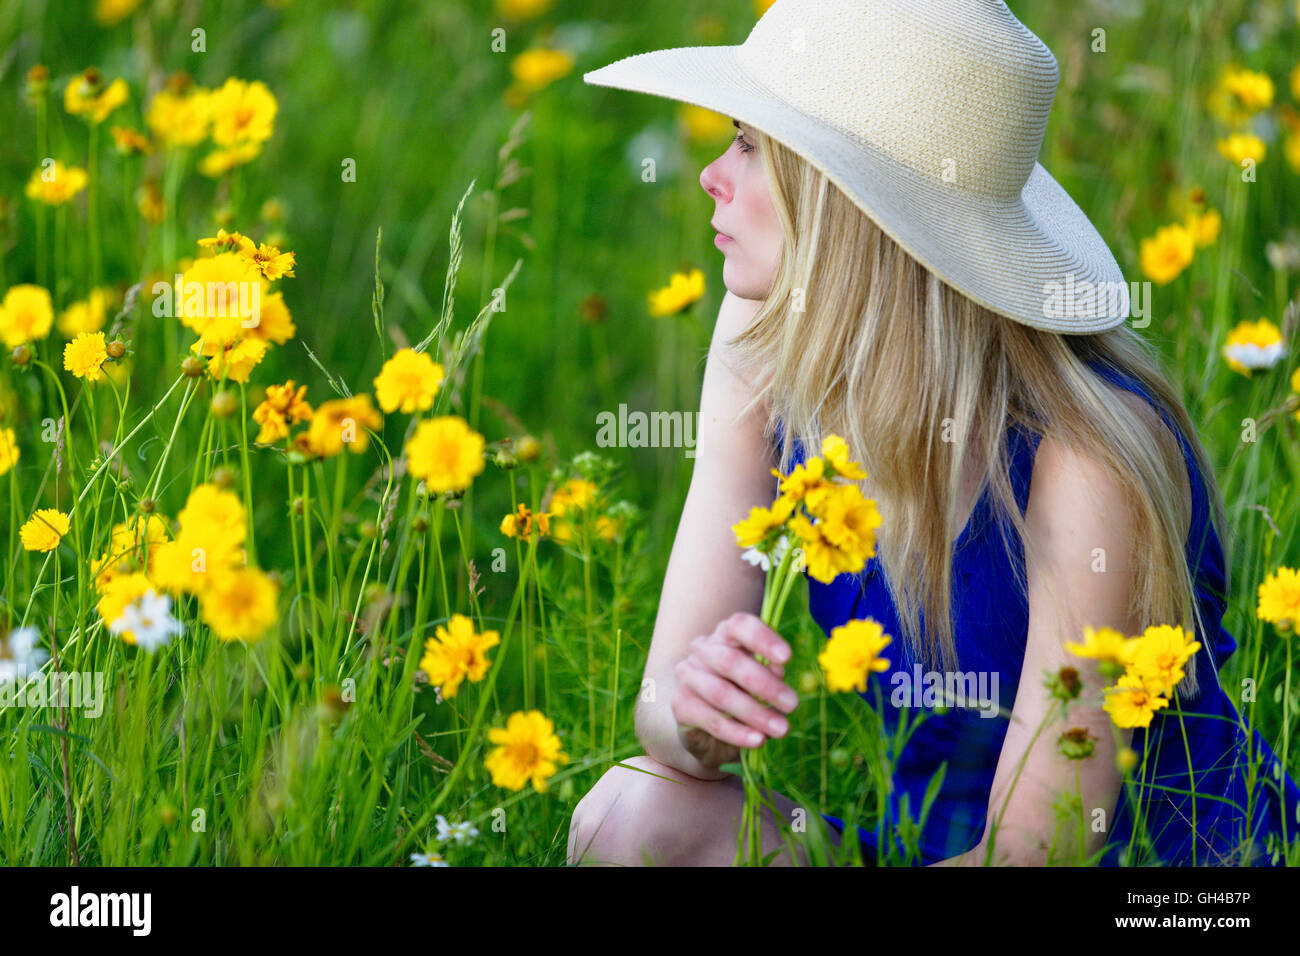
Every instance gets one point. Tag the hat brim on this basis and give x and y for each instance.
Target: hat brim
(1013, 257)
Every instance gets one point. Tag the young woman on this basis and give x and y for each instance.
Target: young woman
(1036, 475)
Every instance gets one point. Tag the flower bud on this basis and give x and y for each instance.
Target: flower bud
(115, 349)
(224, 404)
(528, 448)
(22, 355)
(192, 367)
(223, 477)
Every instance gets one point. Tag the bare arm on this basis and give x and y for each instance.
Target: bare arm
(1074, 508)
(706, 581)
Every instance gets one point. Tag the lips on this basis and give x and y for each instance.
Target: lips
(720, 232)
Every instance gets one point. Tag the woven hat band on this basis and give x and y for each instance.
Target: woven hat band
(957, 90)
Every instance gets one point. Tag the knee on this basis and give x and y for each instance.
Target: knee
(617, 819)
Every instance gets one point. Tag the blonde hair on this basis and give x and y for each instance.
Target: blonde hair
(912, 374)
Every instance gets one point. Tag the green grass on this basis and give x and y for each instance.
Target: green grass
(317, 745)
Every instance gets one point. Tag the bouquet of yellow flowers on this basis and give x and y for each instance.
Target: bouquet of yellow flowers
(819, 522)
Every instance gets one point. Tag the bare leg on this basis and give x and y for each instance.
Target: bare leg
(630, 818)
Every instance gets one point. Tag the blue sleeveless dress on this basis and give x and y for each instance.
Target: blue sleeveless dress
(991, 617)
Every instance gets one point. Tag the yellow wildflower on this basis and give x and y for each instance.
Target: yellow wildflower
(45, 529)
(343, 421)
(534, 70)
(242, 113)
(1165, 255)
(26, 315)
(56, 184)
(527, 749)
(85, 356)
(1239, 147)
(455, 653)
(1279, 599)
(87, 315)
(8, 449)
(682, 291)
(751, 531)
(446, 453)
(1130, 704)
(836, 452)
(180, 114)
(282, 407)
(852, 653)
(240, 604)
(85, 95)
(523, 523)
(408, 381)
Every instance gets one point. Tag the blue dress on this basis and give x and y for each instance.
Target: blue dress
(991, 616)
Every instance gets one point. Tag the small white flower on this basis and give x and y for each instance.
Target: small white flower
(761, 560)
(427, 859)
(19, 655)
(149, 620)
(1255, 356)
(462, 832)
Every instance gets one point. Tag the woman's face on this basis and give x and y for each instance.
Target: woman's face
(750, 232)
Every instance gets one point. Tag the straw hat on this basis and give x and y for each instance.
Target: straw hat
(929, 115)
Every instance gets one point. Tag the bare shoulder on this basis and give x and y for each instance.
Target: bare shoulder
(1076, 504)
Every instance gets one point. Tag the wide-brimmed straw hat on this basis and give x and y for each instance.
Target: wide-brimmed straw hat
(929, 115)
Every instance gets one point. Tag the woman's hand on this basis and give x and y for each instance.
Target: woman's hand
(724, 699)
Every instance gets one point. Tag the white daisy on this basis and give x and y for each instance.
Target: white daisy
(1255, 356)
(462, 832)
(149, 620)
(19, 655)
(761, 560)
(427, 859)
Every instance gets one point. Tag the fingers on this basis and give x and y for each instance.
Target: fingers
(692, 710)
(739, 667)
(725, 701)
(749, 632)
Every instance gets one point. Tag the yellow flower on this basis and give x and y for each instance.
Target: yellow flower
(8, 450)
(220, 298)
(1165, 255)
(446, 453)
(242, 112)
(1240, 94)
(534, 70)
(836, 452)
(681, 292)
(149, 201)
(269, 260)
(240, 604)
(117, 593)
(751, 531)
(1130, 704)
(703, 126)
(85, 356)
(45, 529)
(111, 12)
(843, 538)
(527, 749)
(234, 363)
(574, 494)
(1204, 227)
(522, 523)
(56, 183)
(87, 315)
(1279, 599)
(1111, 649)
(131, 547)
(1159, 655)
(179, 115)
(852, 653)
(224, 241)
(129, 141)
(221, 161)
(342, 421)
(806, 482)
(456, 653)
(1254, 345)
(522, 9)
(282, 407)
(1240, 147)
(209, 541)
(408, 381)
(26, 315)
(84, 96)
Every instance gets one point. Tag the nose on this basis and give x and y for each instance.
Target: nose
(713, 183)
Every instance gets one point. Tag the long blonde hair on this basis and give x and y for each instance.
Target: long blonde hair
(912, 374)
